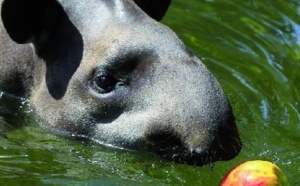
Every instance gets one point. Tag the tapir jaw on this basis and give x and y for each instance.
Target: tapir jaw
(173, 146)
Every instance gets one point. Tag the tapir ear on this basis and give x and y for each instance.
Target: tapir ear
(25, 20)
(154, 8)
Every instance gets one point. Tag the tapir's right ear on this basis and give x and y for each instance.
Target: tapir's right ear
(26, 20)
(154, 8)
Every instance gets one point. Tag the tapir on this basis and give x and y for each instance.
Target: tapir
(109, 71)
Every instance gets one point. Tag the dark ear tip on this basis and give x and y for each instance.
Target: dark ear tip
(154, 8)
(12, 17)
(158, 11)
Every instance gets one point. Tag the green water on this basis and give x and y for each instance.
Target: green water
(251, 46)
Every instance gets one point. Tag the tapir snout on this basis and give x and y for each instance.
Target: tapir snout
(108, 71)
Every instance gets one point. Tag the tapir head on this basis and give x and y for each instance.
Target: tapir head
(107, 70)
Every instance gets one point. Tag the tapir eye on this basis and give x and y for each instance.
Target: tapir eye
(105, 83)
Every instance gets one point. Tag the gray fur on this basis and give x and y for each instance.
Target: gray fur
(165, 99)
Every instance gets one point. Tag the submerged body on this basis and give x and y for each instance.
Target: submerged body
(108, 71)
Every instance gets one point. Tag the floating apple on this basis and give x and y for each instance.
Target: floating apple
(255, 173)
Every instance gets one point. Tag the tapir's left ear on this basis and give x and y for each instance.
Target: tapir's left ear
(26, 20)
(154, 8)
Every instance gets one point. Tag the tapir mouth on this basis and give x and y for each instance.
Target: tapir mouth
(221, 148)
(171, 147)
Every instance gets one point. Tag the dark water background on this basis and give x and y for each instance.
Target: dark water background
(251, 46)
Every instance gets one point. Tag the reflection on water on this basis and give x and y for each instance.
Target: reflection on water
(253, 49)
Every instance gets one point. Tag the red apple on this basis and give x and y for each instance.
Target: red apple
(255, 173)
